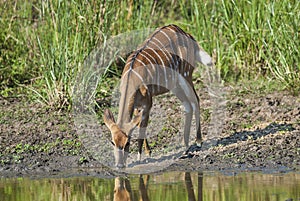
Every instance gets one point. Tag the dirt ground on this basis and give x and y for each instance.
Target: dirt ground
(257, 131)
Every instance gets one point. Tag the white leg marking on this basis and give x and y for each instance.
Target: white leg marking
(187, 107)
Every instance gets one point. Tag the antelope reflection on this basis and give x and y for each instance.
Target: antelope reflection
(123, 191)
(190, 188)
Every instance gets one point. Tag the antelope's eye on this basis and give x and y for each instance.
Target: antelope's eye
(127, 144)
(112, 142)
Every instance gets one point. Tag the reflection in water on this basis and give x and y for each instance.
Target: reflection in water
(190, 188)
(170, 186)
(122, 190)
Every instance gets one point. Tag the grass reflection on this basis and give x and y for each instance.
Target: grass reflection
(175, 186)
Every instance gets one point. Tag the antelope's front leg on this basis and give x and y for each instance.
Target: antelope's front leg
(187, 123)
(142, 136)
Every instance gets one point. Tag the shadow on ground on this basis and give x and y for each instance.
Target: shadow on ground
(253, 135)
(239, 137)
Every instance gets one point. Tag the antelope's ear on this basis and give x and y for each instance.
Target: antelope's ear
(143, 89)
(108, 118)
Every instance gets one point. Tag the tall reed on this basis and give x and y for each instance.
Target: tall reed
(251, 38)
(52, 38)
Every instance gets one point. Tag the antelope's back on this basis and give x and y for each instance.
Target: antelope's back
(165, 53)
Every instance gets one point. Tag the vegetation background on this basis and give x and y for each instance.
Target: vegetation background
(43, 43)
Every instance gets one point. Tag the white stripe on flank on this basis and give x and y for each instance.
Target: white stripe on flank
(131, 70)
(159, 48)
(171, 43)
(153, 50)
(149, 56)
(164, 65)
(156, 70)
(144, 65)
(138, 75)
(175, 62)
(150, 62)
(166, 51)
(124, 74)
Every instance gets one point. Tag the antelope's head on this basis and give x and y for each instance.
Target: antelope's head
(120, 136)
(122, 189)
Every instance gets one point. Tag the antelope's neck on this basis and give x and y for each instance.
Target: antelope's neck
(126, 103)
(124, 114)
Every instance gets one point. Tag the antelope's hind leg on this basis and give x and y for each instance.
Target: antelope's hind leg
(189, 99)
(180, 94)
(196, 109)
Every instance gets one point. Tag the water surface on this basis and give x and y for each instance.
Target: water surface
(170, 186)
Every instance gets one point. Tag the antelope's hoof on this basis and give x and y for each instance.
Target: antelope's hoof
(191, 151)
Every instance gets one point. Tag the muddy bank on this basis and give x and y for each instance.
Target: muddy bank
(259, 132)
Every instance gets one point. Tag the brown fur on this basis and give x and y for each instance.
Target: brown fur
(119, 138)
(166, 60)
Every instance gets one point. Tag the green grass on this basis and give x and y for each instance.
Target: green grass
(44, 44)
(251, 38)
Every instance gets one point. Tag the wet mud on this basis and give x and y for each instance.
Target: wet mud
(259, 132)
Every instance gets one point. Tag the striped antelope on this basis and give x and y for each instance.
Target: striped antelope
(164, 62)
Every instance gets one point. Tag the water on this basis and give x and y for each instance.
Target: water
(170, 186)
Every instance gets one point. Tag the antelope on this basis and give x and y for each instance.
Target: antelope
(163, 63)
